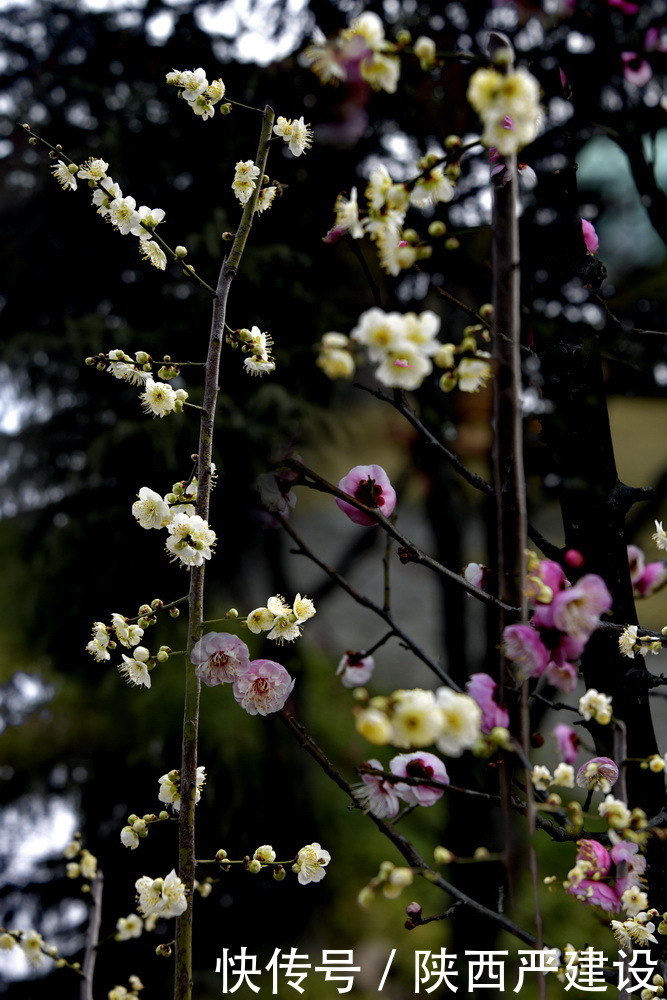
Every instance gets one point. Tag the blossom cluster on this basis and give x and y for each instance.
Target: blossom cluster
(296, 135)
(161, 897)
(283, 622)
(601, 875)
(259, 686)
(405, 348)
(359, 52)
(190, 538)
(257, 346)
(120, 211)
(30, 942)
(170, 787)
(195, 89)
(565, 617)
(80, 862)
(416, 717)
(382, 797)
(387, 205)
(509, 106)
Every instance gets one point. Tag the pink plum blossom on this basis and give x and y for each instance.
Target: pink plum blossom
(600, 771)
(590, 236)
(376, 794)
(601, 886)
(635, 69)
(568, 742)
(577, 609)
(419, 765)
(263, 688)
(525, 648)
(482, 688)
(355, 669)
(219, 657)
(369, 484)
(562, 675)
(653, 578)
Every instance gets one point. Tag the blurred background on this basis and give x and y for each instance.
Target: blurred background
(79, 750)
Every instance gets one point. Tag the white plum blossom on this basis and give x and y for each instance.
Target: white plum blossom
(190, 539)
(282, 622)
(148, 219)
(135, 668)
(32, 945)
(415, 718)
(245, 180)
(170, 788)
(129, 838)
(594, 705)
(461, 719)
(150, 510)
(564, 776)
(541, 777)
(123, 214)
(64, 176)
(158, 398)
(153, 253)
(297, 135)
(509, 106)
(310, 863)
(127, 634)
(104, 194)
(660, 536)
(129, 927)
(615, 812)
(164, 897)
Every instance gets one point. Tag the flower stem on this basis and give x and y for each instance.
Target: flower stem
(186, 823)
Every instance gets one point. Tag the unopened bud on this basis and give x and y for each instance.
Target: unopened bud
(437, 228)
(163, 951)
(452, 243)
(442, 856)
(220, 855)
(403, 37)
(366, 896)
(181, 251)
(145, 609)
(232, 613)
(141, 357)
(254, 866)
(174, 612)
(410, 235)
(162, 656)
(225, 109)
(90, 361)
(279, 873)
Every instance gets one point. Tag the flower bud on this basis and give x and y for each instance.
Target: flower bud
(181, 251)
(254, 866)
(442, 856)
(90, 361)
(220, 855)
(73, 168)
(481, 854)
(163, 815)
(403, 37)
(32, 141)
(366, 897)
(144, 609)
(279, 873)
(227, 237)
(437, 228)
(162, 656)
(174, 612)
(232, 613)
(410, 235)
(172, 498)
(452, 243)
(163, 951)
(141, 357)
(225, 109)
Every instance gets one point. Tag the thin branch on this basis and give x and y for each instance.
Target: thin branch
(408, 551)
(366, 602)
(409, 852)
(92, 937)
